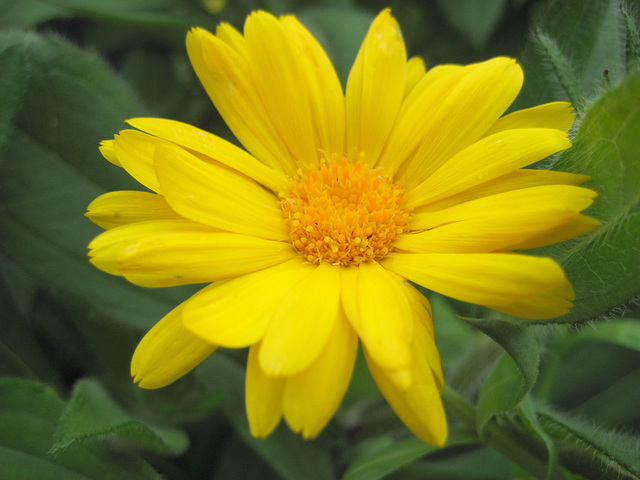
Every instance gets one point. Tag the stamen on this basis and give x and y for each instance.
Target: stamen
(344, 213)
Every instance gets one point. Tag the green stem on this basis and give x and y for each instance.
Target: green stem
(505, 442)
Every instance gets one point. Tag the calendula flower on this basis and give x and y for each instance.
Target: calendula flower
(311, 236)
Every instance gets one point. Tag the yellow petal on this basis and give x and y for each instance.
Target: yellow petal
(281, 83)
(171, 253)
(558, 115)
(105, 248)
(424, 338)
(522, 178)
(415, 71)
(225, 74)
(415, 122)
(236, 313)
(484, 278)
(167, 352)
(213, 147)
(486, 159)
(572, 227)
(312, 396)
(232, 37)
(550, 304)
(465, 113)
(375, 88)
(135, 151)
(114, 209)
(108, 152)
(383, 317)
(419, 406)
(301, 325)
(522, 218)
(506, 231)
(263, 397)
(215, 196)
(323, 88)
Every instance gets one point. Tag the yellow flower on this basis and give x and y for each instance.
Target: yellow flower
(311, 236)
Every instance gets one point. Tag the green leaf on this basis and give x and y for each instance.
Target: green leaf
(20, 353)
(514, 375)
(625, 333)
(92, 415)
(595, 373)
(465, 462)
(475, 19)
(26, 13)
(563, 70)
(572, 44)
(12, 87)
(604, 266)
(527, 414)
(50, 170)
(380, 462)
(615, 406)
(144, 13)
(591, 450)
(632, 40)
(28, 415)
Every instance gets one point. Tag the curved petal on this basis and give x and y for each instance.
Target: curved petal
(135, 151)
(415, 72)
(312, 396)
(277, 61)
(279, 80)
(114, 209)
(302, 323)
(419, 405)
(105, 248)
(424, 336)
(181, 253)
(550, 304)
(488, 158)
(522, 178)
(465, 113)
(484, 278)
(375, 89)
(415, 120)
(107, 150)
(377, 307)
(263, 397)
(503, 232)
(225, 74)
(167, 352)
(323, 88)
(213, 147)
(523, 218)
(237, 313)
(215, 196)
(558, 115)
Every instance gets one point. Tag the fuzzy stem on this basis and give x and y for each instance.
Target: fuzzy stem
(495, 436)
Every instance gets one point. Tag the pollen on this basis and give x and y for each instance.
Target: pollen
(344, 213)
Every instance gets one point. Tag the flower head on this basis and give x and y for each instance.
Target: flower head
(311, 236)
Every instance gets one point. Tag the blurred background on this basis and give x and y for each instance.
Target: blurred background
(71, 72)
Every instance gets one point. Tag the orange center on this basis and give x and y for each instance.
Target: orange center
(344, 213)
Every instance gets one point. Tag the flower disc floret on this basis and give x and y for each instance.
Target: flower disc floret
(344, 213)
